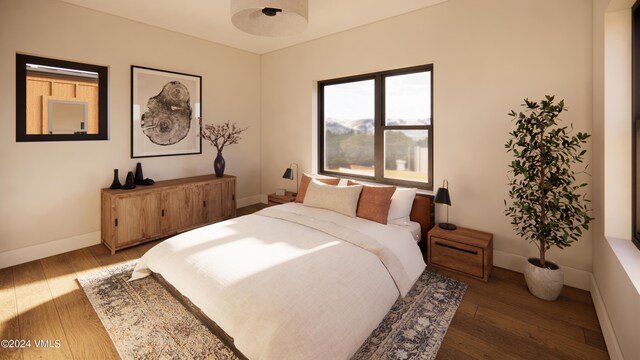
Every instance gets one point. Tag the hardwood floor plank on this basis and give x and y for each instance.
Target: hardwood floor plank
(476, 293)
(595, 339)
(567, 291)
(83, 262)
(104, 257)
(468, 307)
(76, 313)
(448, 352)
(473, 347)
(539, 318)
(250, 209)
(567, 348)
(38, 316)
(576, 312)
(504, 338)
(9, 324)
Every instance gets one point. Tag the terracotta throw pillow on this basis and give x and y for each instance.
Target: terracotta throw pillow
(304, 184)
(375, 202)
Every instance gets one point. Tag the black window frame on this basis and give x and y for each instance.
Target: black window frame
(379, 126)
(635, 125)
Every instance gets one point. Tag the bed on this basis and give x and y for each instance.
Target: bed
(292, 281)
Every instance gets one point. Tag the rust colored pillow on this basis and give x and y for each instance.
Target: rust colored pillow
(375, 202)
(304, 184)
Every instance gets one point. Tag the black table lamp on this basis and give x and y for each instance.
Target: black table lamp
(288, 174)
(442, 197)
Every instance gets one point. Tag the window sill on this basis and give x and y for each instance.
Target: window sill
(629, 257)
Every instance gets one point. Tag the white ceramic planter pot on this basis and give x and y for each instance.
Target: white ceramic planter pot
(544, 283)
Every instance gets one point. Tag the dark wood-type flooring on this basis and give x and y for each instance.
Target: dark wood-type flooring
(41, 300)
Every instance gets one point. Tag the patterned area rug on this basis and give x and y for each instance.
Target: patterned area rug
(146, 322)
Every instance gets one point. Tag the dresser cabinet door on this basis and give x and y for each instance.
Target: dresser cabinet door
(229, 198)
(137, 217)
(212, 200)
(178, 206)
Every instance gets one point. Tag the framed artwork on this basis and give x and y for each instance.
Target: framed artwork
(165, 111)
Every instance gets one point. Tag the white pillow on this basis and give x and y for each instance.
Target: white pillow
(341, 199)
(401, 204)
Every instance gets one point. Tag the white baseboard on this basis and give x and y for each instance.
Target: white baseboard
(605, 323)
(250, 200)
(573, 277)
(41, 251)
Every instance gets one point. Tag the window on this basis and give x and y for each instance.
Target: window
(378, 127)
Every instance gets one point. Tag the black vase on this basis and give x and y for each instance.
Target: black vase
(129, 184)
(139, 178)
(218, 165)
(116, 181)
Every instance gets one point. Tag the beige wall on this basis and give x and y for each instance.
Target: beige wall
(50, 190)
(487, 56)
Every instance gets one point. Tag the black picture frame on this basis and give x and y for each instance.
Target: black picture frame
(21, 99)
(165, 92)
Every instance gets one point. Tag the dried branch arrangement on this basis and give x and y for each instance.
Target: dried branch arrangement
(221, 135)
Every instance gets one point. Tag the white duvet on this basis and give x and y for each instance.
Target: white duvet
(291, 282)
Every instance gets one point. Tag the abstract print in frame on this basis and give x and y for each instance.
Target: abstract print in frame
(165, 108)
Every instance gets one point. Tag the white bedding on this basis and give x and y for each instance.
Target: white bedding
(284, 290)
(416, 231)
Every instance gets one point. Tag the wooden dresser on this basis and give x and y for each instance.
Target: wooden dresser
(131, 217)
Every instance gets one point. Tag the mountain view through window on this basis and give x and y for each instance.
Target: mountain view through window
(393, 133)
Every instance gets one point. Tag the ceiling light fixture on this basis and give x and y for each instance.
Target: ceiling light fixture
(270, 17)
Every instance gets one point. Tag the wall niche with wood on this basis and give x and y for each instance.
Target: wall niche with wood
(59, 100)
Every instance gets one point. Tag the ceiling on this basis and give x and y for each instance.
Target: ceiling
(211, 20)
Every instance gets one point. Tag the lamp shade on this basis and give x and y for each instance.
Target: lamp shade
(442, 196)
(288, 174)
(270, 17)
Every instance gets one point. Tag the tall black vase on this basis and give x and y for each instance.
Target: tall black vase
(138, 179)
(218, 165)
(116, 181)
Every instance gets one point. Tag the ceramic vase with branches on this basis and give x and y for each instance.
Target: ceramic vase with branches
(221, 135)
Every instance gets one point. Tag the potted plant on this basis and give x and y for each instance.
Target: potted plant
(548, 207)
(220, 135)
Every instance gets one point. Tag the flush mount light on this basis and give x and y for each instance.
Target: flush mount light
(270, 17)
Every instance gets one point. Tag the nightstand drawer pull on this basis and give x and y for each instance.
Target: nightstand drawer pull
(456, 248)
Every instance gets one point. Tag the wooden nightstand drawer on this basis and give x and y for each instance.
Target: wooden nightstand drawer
(457, 256)
(466, 251)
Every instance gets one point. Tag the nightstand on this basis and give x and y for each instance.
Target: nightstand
(466, 251)
(281, 199)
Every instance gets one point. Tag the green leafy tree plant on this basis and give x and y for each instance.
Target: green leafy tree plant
(549, 207)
